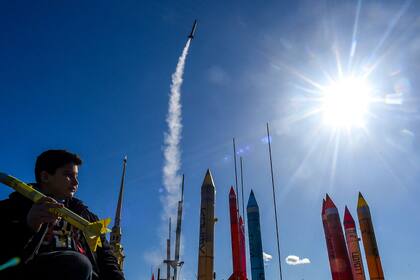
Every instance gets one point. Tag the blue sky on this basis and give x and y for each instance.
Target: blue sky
(93, 77)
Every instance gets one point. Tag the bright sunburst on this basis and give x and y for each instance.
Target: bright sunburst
(345, 103)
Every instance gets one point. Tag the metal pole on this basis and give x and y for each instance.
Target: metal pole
(274, 200)
(236, 173)
(242, 190)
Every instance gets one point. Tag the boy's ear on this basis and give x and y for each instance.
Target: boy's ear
(45, 177)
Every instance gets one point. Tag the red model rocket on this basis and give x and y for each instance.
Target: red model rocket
(242, 247)
(237, 240)
(353, 246)
(330, 250)
(339, 260)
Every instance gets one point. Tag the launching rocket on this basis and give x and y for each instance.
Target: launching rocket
(192, 33)
(352, 239)
(237, 239)
(369, 241)
(254, 238)
(207, 220)
(339, 261)
(92, 231)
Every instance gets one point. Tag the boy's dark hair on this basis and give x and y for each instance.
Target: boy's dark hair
(50, 160)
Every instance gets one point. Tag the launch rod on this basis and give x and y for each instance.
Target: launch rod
(242, 190)
(274, 200)
(236, 173)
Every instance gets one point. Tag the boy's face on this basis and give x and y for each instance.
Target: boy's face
(63, 184)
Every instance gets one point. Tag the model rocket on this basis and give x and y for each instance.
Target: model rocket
(92, 231)
(115, 237)
(242, 250)
(207, 220)
(339, 260)
(330, 250)
(254, 238)
(192, 33)
(237, 239)
(353, 247)
(369, 241)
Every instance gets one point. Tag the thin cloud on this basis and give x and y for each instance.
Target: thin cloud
(295, 260)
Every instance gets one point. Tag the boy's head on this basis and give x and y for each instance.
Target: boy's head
(56, 173)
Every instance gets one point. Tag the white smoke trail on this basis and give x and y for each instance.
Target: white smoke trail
(172, 152)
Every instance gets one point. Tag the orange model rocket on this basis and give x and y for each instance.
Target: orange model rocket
(369, 241)
(330, 250)
(207, 220)
(353, 246)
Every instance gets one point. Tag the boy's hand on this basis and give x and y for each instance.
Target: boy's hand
(40, 213)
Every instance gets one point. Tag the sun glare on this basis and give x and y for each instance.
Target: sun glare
(345, 103)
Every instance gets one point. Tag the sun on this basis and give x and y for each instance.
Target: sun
(345, 102)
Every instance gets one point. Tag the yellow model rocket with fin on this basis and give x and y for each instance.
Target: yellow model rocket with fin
(92, 231)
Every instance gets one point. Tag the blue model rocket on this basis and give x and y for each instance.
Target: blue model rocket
(254, 237)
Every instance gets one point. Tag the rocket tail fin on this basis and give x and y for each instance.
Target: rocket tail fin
(94, 231)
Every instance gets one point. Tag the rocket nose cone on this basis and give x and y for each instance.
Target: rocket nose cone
(208, 179)
(252, 202)
(348, 219)
(232, 192)
(323, 207)
(329, 203)
(361, 202)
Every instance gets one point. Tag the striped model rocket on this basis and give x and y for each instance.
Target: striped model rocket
(369, 241)
(237, 239)
(254, 238)
(339, 261)
(330, 250)
(353, 246)
(207, 220)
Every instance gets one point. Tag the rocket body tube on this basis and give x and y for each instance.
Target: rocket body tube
(369, 240)
(341, 269)
(330, 251)
(254, 239)
(242, 250)
(352, 239)
(206, 239)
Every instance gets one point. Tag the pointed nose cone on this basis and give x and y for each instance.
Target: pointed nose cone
(323, 207)
(241, 221)
(232, 193)
(153, 276)
(361, 201)
(348, 219)
(208, 179)
(329, 203)
(252, 202)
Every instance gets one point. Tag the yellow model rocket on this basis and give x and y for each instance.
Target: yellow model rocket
(91, 231)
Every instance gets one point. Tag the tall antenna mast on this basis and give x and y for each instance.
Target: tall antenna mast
(178, 232)
(274, 201)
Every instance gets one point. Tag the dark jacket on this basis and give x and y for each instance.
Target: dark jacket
(18, 240)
